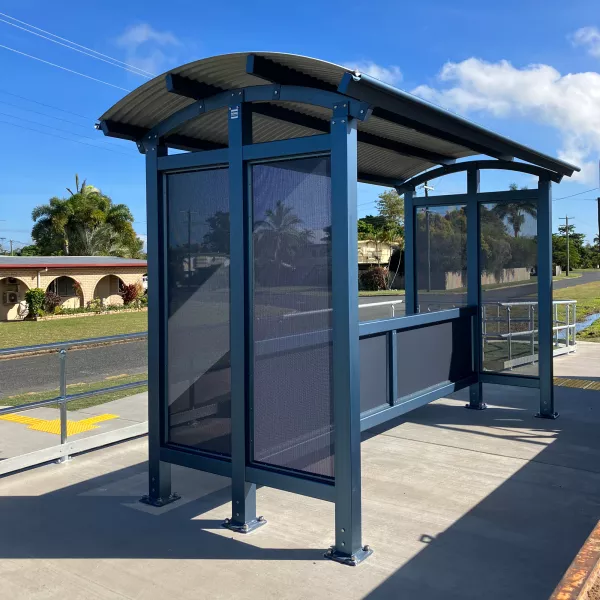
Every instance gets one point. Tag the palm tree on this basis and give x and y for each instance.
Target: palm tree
(280, 234)
(515, 212)
(85, 223)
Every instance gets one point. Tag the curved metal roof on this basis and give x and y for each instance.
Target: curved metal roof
(403, 137)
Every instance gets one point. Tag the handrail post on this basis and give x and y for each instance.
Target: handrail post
(508, 325)
(62, 355)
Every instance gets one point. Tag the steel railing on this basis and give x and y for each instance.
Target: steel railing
(514, 323)
(63, 451)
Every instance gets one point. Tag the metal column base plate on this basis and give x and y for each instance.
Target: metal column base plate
(350, 560)
(481, 406)
(551, 416)
(159, 502)
(244, 527)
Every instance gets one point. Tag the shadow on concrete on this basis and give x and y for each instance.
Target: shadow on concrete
(518, 541)
(515, 543)
(79, 522)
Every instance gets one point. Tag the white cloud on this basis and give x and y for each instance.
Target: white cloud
(391, 74)
(588, 37)
(569, 103)
(145, 47)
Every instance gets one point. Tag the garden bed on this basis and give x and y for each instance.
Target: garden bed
(90, 314)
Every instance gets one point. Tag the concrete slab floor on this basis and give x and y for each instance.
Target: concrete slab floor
(457, 504)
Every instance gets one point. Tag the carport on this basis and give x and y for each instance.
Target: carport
(259, 369)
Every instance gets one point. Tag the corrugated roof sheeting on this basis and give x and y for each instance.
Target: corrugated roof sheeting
(151, 103)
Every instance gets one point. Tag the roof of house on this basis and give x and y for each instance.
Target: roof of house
(403, 137)
(68, 262)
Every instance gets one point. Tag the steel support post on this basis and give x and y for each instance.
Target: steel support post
(545, 330)
(410, 288)
(348, 547)
(474, 286)
(159, 472)
(243, 493)
(62, 354)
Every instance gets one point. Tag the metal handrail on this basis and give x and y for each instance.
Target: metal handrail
(63, 398)
(569, 326)
(72, 343)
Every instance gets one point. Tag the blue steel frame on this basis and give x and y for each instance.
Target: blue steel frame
(341, 144)
(542, 196)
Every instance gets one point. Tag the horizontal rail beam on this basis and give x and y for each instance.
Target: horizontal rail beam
(412, 321)
(403, 406)
(508, 196)
(195, 460)
(292, 483)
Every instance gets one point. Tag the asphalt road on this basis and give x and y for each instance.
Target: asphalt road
(39, 373)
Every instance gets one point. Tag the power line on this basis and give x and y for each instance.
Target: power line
(87, 137)
(75, 49)
(46, 105)
(573, 195)
(64, 68)
(88, 126)
(76, 44)
(60, 137)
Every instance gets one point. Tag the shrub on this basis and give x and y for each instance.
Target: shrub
(51, 302)
(131, 292)
(374, 279)
(95, 305)
(35, 301)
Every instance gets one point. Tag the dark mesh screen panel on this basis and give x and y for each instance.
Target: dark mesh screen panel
(198, 303)
(509, 287)
(432, 355)
(441, 257)
(293, 412)
(373, 372)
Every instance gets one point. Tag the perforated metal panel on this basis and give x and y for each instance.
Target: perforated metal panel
(433, 355)
(292, 400)
(199, 379)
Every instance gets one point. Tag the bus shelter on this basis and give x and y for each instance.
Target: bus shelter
(259, 369)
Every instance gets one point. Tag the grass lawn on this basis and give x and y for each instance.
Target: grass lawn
(78, 388)
(588, 303)
(381, 293)
(29, 333)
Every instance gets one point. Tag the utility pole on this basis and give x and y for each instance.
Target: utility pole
(566, 219)
(11, 246)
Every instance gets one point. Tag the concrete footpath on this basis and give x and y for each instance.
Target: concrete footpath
(457, 504)
(37, 429)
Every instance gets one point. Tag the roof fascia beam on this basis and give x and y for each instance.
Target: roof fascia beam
(388, 101)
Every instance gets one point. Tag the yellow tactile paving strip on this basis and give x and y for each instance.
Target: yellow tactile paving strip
(582, 384)
(53, 425)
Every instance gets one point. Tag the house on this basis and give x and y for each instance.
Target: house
(372, 253)
(76, 279)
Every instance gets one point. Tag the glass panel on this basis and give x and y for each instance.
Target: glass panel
(293, 412)
(441, 257)
(509, 287)
(199, 383)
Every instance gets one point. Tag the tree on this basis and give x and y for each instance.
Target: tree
(515, 213)
(86, 223)
(31, 250)
(390, 206)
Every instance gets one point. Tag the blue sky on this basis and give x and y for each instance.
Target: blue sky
(452, 55)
